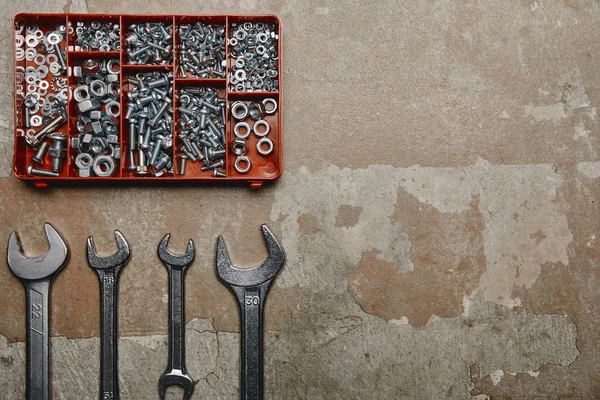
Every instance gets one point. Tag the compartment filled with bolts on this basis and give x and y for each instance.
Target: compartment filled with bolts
(148, 40)
(149, 123)
(201, 146)
(95, 112)
(254, 135)
(200, 49)
(147, 98)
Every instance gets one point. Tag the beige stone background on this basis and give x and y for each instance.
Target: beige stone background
(440, 209)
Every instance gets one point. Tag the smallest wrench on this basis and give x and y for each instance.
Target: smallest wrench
(177, 265)
(108, 269)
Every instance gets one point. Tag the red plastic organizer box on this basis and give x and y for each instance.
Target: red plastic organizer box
(202, 78)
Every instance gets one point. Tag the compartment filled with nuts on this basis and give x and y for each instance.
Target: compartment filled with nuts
(201, 131)
(254, 55)
(201, 49)
(95, 137)
(149, 120)
(90, 33)
(41, 95)
(253, 135)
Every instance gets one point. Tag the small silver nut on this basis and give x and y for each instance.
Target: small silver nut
(90, 67)
(75, 143)
(239, 147)
(85, 141)
(112, 139)
(84, 172)
(77, 73)
(86, 106)
(112, 78)
(96, 127)
(95, 115)
(117, 152)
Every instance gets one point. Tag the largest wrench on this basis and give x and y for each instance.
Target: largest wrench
(250, 287)
(37, 275)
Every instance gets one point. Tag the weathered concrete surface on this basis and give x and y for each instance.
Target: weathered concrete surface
(440, 209)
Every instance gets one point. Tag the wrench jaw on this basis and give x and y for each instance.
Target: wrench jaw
(120, 258)
(176, 261)
(262, 273)
(35, 268)
(176, 378)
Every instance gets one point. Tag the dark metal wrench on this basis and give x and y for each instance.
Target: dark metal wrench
(250, 287)
(37, 275)
(177, 265)
(108, 269)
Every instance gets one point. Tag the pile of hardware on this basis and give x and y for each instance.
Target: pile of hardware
(96, 36)
(253, 48)
(202, 51)
(149, 116)
(42, 101)
(98, 111)
(202, 129)
(249, 286)
(150, 44)
(251, 111)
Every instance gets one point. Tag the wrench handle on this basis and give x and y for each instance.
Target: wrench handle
(176, 319)
(38, 333)
(109, 373)
(251, 300)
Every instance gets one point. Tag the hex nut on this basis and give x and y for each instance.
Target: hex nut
(117, 152)
(256, 110)
(77, 73)
(96, 127)
(86, 106)
(85, 142)
(84, 173)
(91, 67)
(239, 147)
(75, 143)
(112, 139)
(95, 115)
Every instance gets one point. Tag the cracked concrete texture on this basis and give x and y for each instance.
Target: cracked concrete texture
(439, 207)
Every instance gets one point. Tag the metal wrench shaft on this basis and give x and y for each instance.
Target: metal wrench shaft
(109, 377)
(176, 319)
(38, 338)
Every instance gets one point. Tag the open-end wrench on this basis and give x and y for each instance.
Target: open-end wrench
(250, 287)
(108, 269)
(37, 275)
(177, 265)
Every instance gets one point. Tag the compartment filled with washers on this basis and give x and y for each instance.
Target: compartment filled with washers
(147, 98)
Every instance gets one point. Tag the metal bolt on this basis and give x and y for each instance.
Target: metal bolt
(31, 171)
(39, 156)
(58, 152)
(219, 174)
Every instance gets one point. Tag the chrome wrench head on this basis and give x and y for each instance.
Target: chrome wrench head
(176, 378)
(177, 261)
(120, 257)
(253, 276)
(34, 268)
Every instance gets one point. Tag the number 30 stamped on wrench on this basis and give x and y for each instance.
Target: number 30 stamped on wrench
(250, 287)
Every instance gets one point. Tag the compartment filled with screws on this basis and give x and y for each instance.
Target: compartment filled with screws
(253, 135)
(95, 137)
(95, 34)
(149, 119)
(201, 50)
(201, 131)
(147, 98)
(254, 55)
(149, 43)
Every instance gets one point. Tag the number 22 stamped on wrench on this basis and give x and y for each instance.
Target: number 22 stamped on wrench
(108, 269)
(37, 275)
(250, 287)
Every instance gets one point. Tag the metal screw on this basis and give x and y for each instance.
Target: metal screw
(58, 152)
(31, 171)
(39, 156)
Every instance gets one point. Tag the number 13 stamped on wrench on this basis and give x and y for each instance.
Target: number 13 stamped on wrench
(250, 287)
(37, 275)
